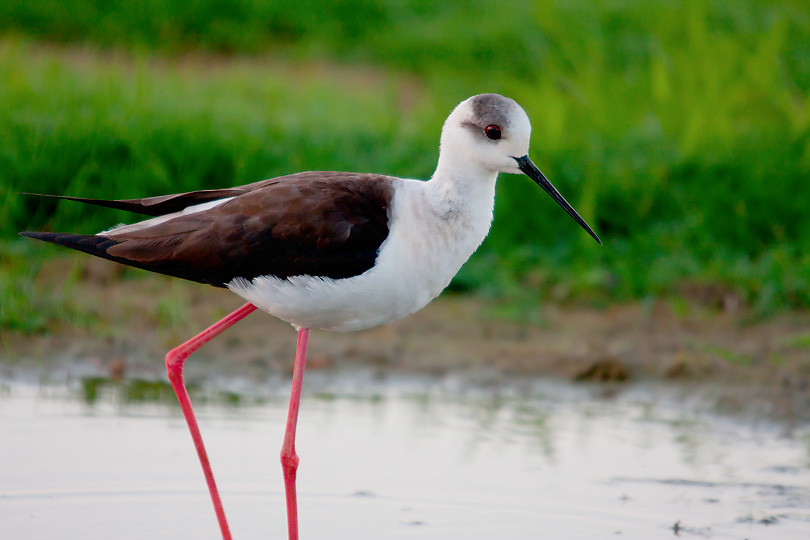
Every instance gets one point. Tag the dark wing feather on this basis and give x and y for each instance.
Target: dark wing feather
(168, 204)
(317, 224)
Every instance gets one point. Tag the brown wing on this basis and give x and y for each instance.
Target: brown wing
(318, 224)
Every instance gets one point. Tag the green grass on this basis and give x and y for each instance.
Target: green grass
(801, 341)
(680, 130)
(729, 355)
(29, 305)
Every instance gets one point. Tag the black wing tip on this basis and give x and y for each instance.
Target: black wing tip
(47, 196)
(88, 243)
(150, 206)
(98, 245)
(44, 236)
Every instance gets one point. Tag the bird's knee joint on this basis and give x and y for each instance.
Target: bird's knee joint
(174, 364)
(289, 461)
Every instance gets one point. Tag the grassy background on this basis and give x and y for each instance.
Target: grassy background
(680, 130)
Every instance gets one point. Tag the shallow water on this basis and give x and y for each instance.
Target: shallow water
(393, 456)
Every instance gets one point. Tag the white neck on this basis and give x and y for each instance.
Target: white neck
(462, 186)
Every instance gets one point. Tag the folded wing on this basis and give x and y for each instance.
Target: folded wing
(317, 223)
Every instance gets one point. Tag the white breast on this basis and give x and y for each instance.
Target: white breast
(426, 246)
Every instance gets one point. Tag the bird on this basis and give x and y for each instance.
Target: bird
(336, 251)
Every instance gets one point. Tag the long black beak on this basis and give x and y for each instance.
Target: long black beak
(531, 170)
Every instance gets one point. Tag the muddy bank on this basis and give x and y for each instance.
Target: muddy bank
(133, 322)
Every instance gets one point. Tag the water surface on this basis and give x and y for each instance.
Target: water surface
(395, 456)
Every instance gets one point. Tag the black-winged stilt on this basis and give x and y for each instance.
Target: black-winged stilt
(330, 250)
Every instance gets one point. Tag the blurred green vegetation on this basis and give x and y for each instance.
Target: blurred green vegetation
(680, 130)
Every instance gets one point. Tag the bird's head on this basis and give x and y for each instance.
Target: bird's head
(492, 133)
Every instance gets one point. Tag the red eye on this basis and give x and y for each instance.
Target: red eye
(493, 132)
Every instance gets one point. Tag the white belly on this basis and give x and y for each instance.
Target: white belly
(421, 255)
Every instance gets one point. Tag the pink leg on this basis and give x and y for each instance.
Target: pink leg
(174, 366)
(289, 461)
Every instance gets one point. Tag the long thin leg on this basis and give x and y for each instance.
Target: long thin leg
(289, 460)
(174, 367)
